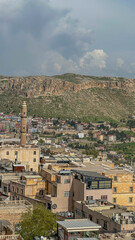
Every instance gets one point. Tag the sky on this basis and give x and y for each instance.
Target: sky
(49, 37)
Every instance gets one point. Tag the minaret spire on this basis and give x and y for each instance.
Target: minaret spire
(23, 123)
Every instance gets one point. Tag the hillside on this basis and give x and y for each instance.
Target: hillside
(69, 96)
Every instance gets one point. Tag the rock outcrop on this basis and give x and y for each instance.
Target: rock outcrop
(35, 86)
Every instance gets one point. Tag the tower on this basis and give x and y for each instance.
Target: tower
(23, 123)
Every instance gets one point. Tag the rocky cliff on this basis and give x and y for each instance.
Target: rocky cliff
(69, 96)
(35, 86)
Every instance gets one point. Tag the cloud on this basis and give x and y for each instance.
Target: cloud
(120, 62)
(131, 68)
(35, 35)
(55, 63)
(95, 59)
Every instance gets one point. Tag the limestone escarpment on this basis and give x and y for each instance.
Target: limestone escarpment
(35, 86)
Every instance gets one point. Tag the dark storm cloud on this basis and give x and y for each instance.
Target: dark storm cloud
(71, 43)
(32, 17)
(36, 17)
(32, 29)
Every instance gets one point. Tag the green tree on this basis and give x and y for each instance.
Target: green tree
(41, 141)
(39, 222)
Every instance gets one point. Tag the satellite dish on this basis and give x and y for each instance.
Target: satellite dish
(54, 206)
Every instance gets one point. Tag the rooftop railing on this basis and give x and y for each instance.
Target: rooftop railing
(11, 237)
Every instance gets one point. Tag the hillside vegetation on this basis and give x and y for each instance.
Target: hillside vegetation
(69, 96)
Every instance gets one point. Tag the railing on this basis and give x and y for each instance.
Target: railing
(11, 237)
(13, 203)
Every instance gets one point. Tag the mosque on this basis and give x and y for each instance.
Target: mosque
(27, 155)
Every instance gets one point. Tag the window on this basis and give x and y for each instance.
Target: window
(90, 216)
(104, 197)
(83, 215)
(105, 184)
(114, 189)
(115, 178)
(13, 188)
(78, 212)
(34, 159)
(105, 225)
(66, 194)
(66, 180)
(130, 200)
(16, 153)
(5, 189)
(92, 185)
(22, 191)
(49, 206)
(31, 169)
(58, 179)
(17, 190)
(114, 200)
(97, 221)
(131, 189)
(86, 234)
(34, 152)
(89, 198)
(7, 152)
(41, 192)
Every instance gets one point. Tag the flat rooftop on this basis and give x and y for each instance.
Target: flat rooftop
(90, 174)
(15, 204)
(110, 212)
(103, 167)
(78, 224)
(6, 146)
(32, 176)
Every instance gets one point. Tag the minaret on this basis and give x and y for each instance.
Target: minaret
(23, 123)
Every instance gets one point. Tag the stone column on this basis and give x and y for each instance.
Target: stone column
(23, 123)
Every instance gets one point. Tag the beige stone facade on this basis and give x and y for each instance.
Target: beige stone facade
(58, 191)
(28, 186)
(12, 210)
(5, 179)
(82, 194)
(63, 190)
(123, 187)
(123, 182)
(110, 217)
(28, 155)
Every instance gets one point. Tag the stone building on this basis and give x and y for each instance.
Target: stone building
(58, 190)
(110, 217)
(12, 210)
(28, 155)
(65, 187)
(89, 185)
(30, 186)
(123, 187)
(123, 182)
